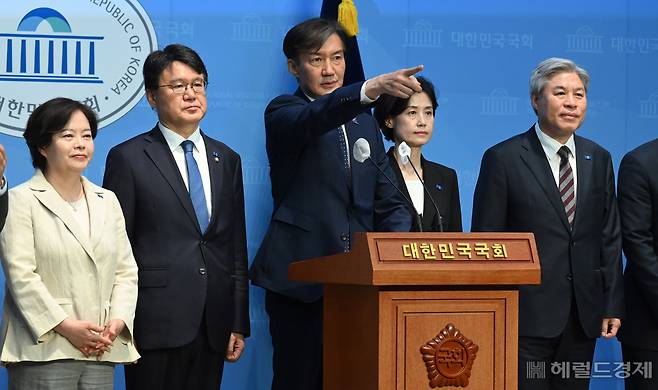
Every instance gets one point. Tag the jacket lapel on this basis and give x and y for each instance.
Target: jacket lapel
(216, 168)
(51, 200)
(534, 157)
(398, 173)
(97, 210)
(158, 151)
(433, 183)
(584, 168)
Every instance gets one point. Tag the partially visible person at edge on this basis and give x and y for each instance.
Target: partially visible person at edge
(638, 208)
(70, 272)
(4, 198)
(411, 121)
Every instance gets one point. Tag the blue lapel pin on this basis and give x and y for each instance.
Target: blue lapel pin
(215, 156)
(439, 187)
(588, 157)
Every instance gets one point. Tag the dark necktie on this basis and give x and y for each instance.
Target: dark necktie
(197, 194)
(567, 192)
(343, 149)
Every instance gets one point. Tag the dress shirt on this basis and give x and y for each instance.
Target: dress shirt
(417, 194)
(174, 141)
(551, 146)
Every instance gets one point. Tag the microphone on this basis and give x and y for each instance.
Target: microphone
(404, 151)
(361, 153)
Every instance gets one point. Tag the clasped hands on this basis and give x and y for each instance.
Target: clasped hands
(89, 338)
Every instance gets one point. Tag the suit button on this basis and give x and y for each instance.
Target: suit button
(202, 271)
(344, 237)
(569, 277)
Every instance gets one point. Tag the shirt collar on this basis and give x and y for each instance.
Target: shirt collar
(551, 146)
(174, 139)
(308, 97)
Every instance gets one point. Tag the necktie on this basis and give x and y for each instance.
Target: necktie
(197, 194)
(567, 192)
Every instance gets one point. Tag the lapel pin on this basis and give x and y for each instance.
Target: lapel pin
(355, 121)
(439, 187)
(215, 156)
(588, 157)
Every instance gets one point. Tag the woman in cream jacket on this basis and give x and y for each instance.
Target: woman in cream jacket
(70, 273)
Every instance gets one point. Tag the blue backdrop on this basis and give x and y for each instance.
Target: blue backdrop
(479, 53)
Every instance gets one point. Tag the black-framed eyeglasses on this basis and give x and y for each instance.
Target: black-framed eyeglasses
(198, 86)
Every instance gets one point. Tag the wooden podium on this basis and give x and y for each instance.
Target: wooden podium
(419, 311)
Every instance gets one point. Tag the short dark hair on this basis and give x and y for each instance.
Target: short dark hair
(310, 35)
(49, 119)
(391, 106)
(159, 60)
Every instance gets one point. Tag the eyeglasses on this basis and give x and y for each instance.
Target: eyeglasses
(198, 86)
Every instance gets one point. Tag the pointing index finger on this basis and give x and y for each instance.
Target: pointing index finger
(412, 71)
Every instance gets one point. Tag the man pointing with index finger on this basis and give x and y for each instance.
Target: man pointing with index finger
(321, 194)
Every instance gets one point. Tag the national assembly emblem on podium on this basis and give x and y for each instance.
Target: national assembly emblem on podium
(88, 50)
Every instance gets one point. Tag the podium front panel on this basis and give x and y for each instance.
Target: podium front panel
(410, 320)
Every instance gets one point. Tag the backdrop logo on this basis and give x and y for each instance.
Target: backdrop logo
(499, 103)
(88, 50)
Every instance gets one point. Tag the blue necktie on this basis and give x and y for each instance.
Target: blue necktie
(197, 194)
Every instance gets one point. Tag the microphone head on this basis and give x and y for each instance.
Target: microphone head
(404, 151)
(361, 150)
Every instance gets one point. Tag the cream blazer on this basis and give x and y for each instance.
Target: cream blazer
(54, 271)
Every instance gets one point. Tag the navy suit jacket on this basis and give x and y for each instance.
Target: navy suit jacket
(638, 207)
(516, 192)
(318, 203)
(183, 273)
(441, 183)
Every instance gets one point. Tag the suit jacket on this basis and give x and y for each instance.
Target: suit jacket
(516, 192)
(55, 271)
(441, 183)
(318, 203)
(183, 273)
(638, 207)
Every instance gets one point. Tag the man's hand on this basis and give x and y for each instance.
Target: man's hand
(609, 327)
(85, 336)
(400, 83)
(235, 347)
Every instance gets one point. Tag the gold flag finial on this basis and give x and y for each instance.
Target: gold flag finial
(347, 17)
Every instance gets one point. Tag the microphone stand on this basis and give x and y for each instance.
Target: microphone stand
(416, 215)
(438, 213)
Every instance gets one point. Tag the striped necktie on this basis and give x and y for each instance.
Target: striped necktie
(567, 192)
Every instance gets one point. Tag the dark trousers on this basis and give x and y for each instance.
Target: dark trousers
(296, 330)
(195, 366)
(557, 363)
(642, 364)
